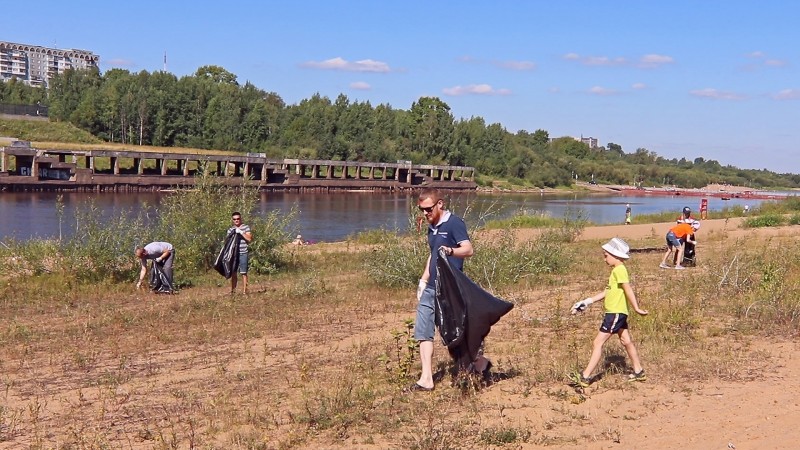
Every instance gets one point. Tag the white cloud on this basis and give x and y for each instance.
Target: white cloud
(716, 94)
(603, 61)
(598, 90)
(554, 90)
(572, 56)
(360, 85)
(653, 60)
(756, 54)
(475, 89)
(338, 63)
(517, 65)
(787, 94)
(775, 63)
(638, 86)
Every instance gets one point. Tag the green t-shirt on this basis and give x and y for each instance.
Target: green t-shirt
(615, 301)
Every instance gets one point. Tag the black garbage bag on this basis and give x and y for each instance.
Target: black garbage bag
(465, 312)
(689, 254)
(159, 281)
(227, 262)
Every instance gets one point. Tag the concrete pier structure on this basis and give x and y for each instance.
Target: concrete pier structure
(23, 167)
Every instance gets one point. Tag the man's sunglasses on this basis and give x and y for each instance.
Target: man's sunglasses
(429, 209)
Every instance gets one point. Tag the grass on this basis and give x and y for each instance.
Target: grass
(318, 354)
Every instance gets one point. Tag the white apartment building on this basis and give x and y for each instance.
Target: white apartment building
(36, 65)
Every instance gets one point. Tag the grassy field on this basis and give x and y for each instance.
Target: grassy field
(318, 356)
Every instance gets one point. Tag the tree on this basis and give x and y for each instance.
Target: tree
(216, 74)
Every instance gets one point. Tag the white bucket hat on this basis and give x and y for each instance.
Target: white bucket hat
(695, 225)
(617, 247)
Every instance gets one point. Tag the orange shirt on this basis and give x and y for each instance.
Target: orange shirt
(682, 230)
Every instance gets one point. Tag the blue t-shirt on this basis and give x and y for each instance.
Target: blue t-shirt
(449, 232)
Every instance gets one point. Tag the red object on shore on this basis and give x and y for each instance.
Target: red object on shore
(703, 208)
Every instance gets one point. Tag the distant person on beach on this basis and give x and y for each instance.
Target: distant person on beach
(298, 240)
(160, 253)
(627, 214)
(686, 216)
(247, 237)
(448, 232)
(676, 239)
(616, 296)
(746, 209)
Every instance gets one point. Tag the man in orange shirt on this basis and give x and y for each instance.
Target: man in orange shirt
(676, 238)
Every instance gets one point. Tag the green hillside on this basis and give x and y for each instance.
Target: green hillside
(44, 131)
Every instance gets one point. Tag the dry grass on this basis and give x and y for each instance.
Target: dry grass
(315, 358)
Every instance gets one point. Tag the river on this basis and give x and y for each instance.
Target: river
(333, 217)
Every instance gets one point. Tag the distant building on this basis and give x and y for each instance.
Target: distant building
(593, 143)
(590, 141)
(35, 65)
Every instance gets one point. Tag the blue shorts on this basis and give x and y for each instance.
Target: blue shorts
(672, 240)
(243, 263)
(425, 325)
(614, 323)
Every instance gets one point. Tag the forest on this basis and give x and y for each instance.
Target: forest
(212, 110)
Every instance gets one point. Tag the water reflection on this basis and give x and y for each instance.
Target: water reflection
(331, 217)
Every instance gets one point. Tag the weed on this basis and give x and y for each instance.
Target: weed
(404, 349)
(764, 220)
(504, 435)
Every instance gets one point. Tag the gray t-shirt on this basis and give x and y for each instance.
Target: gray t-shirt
(156, 249)
(242, 242)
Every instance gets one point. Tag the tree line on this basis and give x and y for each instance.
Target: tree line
(212, 110)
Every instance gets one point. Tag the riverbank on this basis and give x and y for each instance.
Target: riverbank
(318, 357)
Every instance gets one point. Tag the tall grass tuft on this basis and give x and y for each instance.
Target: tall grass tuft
(764, 220)
(502, 261)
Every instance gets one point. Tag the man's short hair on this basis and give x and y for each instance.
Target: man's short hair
(139, 252)
(431, 193)
(236, 213)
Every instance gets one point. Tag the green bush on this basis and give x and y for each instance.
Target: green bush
(503, 261)
(765, 220)
(196, 219)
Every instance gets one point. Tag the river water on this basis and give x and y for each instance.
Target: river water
(333, 217)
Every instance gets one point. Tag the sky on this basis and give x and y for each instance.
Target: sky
(685, 79)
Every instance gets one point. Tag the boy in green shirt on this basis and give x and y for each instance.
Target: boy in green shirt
(617, 295)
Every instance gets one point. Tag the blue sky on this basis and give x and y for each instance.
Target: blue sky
(711, 79)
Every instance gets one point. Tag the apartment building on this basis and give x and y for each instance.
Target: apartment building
(36, 65)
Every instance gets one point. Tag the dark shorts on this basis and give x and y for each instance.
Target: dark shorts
(672, 240)
(614, 323)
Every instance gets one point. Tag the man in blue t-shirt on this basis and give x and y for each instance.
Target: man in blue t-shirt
(446, 231)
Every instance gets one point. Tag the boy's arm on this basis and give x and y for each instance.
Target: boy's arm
(581, 305)
(632, 298)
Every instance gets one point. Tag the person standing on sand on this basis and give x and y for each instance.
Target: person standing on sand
(615, 303)
(247, 237)
(448, 232)
(627, 214)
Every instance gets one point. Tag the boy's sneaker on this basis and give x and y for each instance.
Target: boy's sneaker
(679, 267)
(637, 376)
(579, 380)
(663, 266)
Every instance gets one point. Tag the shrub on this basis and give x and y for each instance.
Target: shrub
(765, 220)
(195, 220)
